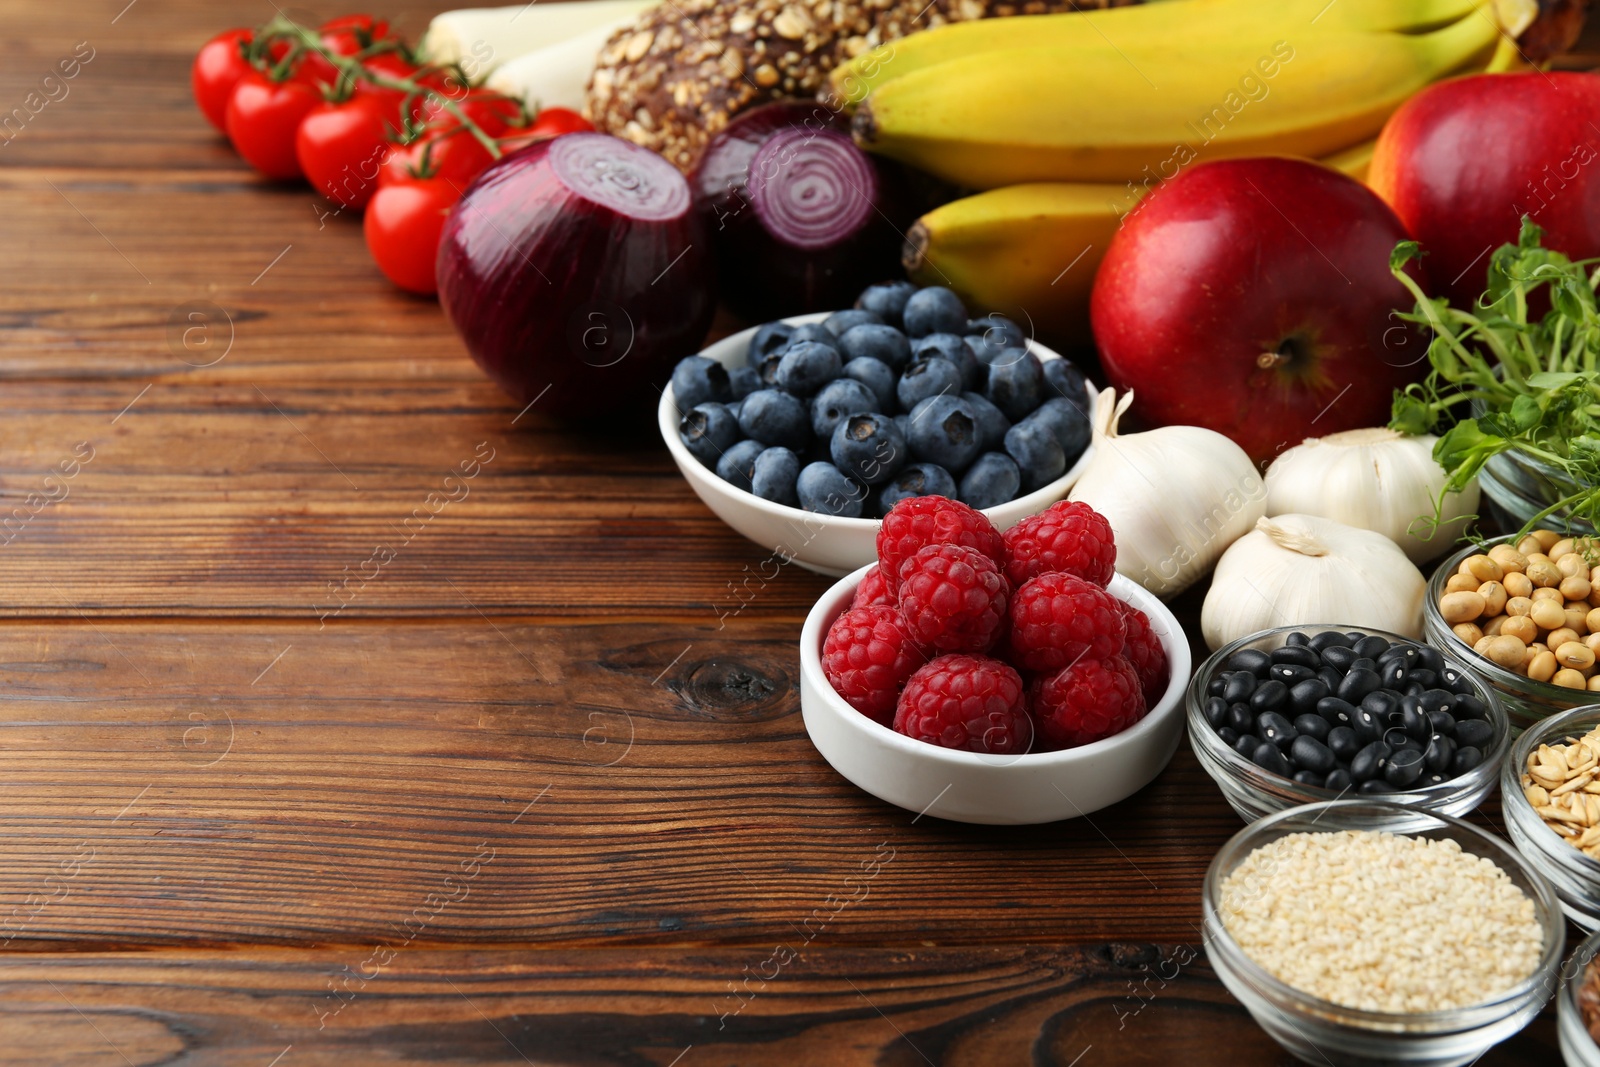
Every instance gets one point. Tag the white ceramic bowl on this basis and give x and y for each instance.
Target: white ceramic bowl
(974, 786)
(826, 544)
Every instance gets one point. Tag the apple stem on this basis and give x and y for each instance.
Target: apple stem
(1271, 360)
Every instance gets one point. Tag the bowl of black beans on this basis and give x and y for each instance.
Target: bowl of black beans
(1301, 714)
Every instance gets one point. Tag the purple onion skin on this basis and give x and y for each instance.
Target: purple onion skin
(565, 299)
(760, 275)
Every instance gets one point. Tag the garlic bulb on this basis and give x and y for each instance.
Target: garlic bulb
(1377, 480)
(1297, 570)
(1175, 497)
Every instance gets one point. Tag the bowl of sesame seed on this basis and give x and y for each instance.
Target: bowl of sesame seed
(1360, 932)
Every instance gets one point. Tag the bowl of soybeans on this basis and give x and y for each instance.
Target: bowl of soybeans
(1523, 613)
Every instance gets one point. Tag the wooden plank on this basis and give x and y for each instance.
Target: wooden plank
(173, 783)
(1139, 1005)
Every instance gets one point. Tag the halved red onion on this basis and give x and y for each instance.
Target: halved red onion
(801, 218)
(578, 273)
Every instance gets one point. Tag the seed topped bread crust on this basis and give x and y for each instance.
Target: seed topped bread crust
(681, 70)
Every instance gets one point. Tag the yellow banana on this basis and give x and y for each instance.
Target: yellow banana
(1190, 22)
(1031, 251)
(1027, 115)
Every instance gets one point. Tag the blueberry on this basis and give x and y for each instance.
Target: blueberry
(806, 367)
(992, 479)
(934, 310)
(708, 431)
(928, 377)
(774, 417)
(887, 300)
(1063, 378)
(876, 376)
(767, 369)
(997, 332)
(699, 380)
(742, 381)
(882, 343)
(945, 430)
(902, 423)
(774, 474)
(823, 488)
(992, 422)
(954, 348)
(838, 399)
(738, 463)
(815, 331)
(1068, 422)
(840, 321)
(1038, 454)
(1016, 383)
(868, 447)
(919, 479)
(734, 407)
(768, 339)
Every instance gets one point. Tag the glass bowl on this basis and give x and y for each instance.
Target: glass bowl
(1578, 1049)
(1575, 876)
(1321, 1032)
(1523, 487)
(1526, 701)
(1254, 792)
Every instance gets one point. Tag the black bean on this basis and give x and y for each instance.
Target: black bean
(1442, 722)
(1456, 681)
(1381, 703)
(1241, 718)
(1407, 652)
(1250, 659)
(1357, 684)
(1414, 689)
(1416, 720)
(1339, 780)
(1297, 638)
(1405, 767)
(1343, 743)
(1468, 706)
(1396, 738)
(1355, 636)
(1290, 673)
(1435, 779)
(1439, 700)
(1440, 753)
(1474, 733)
(1312, 726)
(1423, 676)
(1375, 785)
(1311, 778)
(1217, 684)
(1329, 639)
(1240, 685)
(1270, 726)
(1297, 654)
(1337, 712)
(1330, 678)
(1216, 710)
(1304, 696)
(1268, 757)
(1371, 647)
(1370, 761)
(1270, 695)
(1466, 758)
(1429, 658)
(1311, 754)
(1339, 657)
(1394, 673)
(1246, 745)
(1228, 734)
(1368, 726)
(1364, 664)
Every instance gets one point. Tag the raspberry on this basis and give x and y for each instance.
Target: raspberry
(872, 591)
(1069, 536)
(1085, 702)
(953, 599)
(919, 521)
(867, 656)
(968, 702)
(1058, 619)
(1144, 650)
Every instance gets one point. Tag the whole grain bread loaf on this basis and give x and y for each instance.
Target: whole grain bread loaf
(675, 76)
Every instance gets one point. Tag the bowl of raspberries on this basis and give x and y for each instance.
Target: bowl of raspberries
(802, 433)
(993, 677)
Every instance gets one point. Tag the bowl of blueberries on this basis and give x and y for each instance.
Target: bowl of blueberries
(1296, 715)
(801, 433)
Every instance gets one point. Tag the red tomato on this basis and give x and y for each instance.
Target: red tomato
(402, 226)
(218, 66)
(551, 122)
(493, 113)
(454, 156)
(343, 36)
(391, 65)
(263, 117)
(342, 147)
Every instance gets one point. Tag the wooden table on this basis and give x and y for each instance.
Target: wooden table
(536, 788)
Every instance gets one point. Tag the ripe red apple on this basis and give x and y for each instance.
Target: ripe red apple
(1462, 161)
(1253, 297)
